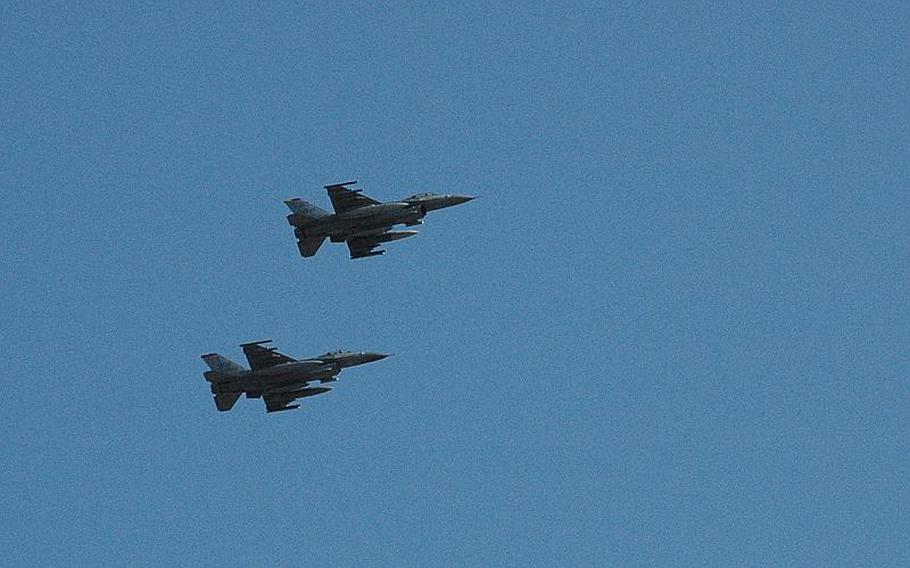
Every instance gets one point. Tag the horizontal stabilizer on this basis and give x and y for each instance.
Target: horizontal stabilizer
(225, 402)
(309, 245)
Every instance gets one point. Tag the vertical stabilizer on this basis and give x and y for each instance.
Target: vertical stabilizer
(222, 365)
(305, 209)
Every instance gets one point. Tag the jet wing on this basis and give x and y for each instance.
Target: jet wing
(276, 402)
(260, 357)
(344, 199)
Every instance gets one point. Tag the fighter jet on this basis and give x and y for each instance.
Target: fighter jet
(275, 377)
(361, 221)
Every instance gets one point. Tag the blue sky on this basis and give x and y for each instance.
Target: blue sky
(671, 330)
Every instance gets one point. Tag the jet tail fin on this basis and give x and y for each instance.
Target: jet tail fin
(222, 365)
(305, 209)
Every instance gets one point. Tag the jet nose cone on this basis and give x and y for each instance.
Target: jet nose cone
(370, 357)
(459, 199)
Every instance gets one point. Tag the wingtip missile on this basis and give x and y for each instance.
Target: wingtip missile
(263, 342)
(352, 182)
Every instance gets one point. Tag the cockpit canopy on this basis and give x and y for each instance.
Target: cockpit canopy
(417, 196)
(338, 352)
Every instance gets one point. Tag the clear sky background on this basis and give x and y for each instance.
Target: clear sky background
(672, 329)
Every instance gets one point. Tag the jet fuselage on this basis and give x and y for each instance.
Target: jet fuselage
(362, 220)
(288, 377)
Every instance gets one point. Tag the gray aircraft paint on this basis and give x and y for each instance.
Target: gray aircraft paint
(361, 221)
(275, 377)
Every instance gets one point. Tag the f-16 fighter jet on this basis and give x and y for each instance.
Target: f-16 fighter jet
(277, 378)
(360, 221)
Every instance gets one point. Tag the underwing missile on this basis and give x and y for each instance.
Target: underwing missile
(394, 236)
